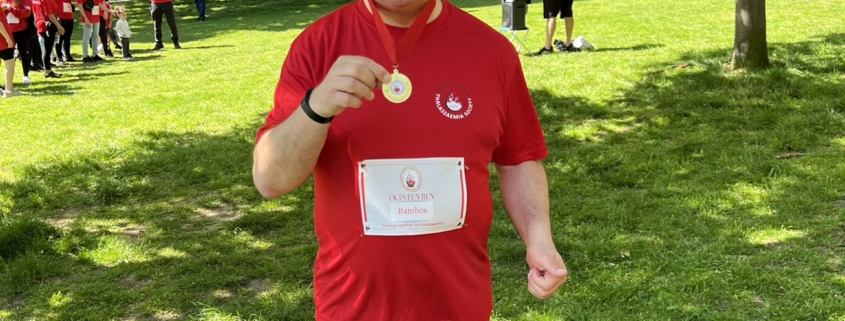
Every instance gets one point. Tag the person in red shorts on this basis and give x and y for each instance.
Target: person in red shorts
(400, 155)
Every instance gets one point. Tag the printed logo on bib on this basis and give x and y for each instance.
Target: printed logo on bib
(453, 101)
(411, 179)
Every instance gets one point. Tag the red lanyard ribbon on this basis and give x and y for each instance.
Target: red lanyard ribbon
(409, 39)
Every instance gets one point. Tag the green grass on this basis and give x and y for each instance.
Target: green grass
(669, 201)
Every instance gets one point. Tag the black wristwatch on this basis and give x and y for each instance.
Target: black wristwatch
(310, 112)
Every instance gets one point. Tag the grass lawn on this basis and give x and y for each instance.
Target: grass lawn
(679, 190)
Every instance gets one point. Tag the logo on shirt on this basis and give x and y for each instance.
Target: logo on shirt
(453, 101)
(411, 179)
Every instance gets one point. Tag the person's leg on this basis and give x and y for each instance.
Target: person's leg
(104, 38)
(35, 53)
(566, 14)
(48, 39)
(95, 40)
(64, 39)
(156, 12)
(114, 38)
(86, 39)
(22, 40)
(124, 49)
(201, 9)
(171, 22)
(10, 74)
(551, 8)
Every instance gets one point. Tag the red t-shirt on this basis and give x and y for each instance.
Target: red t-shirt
(92, 18)
(442, 276)
(161, 1)
(21, 12)
(42, 9)
(65, 9)
(3, 44)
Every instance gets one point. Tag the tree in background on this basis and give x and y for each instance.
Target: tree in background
(750, 46)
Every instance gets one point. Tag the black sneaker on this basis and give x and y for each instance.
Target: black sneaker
(544, 51)
(571, 48)
(70, 59)
(97, 58)
(176, 46)
(560, 45)
(158, 46)
(52, 75)
(116, 46)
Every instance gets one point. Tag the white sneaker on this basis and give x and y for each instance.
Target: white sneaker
(10, 94)
(26, 80)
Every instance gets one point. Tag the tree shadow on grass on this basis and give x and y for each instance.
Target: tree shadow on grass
(679, 198)
(168, 227)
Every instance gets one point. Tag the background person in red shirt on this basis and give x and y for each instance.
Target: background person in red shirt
(157, 9)
(7, 53)
(90, 14)
(20, 11)
(46, 13)
(402, 203)
(66, 10)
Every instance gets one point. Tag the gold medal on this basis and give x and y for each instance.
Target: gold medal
(399, 88)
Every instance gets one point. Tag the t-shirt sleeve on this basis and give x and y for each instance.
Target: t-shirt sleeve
(295, 79)
(522, 139)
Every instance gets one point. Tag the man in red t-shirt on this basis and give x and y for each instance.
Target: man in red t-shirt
(403, 207)
(157, 9)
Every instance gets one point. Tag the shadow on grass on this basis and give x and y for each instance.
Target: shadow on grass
(631, 48)
(49, 90)
(173, 213)
(673, 195)
(668, 198)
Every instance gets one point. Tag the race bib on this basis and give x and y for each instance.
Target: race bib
(418, 196)
(66, 7)
(95, 11)
(11, 19)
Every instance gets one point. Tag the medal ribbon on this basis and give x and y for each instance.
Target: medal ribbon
(409, 39)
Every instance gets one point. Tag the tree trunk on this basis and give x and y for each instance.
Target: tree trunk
(750, 47)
